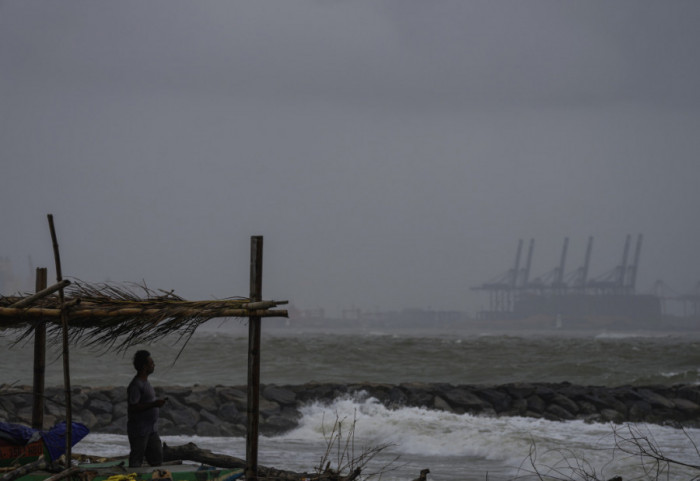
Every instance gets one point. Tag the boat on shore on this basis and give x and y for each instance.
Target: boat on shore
(20, 454)
(119, 470)
(27, 454)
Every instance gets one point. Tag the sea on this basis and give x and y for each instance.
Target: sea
(396, 444)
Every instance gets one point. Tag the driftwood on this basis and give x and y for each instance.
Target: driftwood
(65, 473)
(40, 463)
(191, 452)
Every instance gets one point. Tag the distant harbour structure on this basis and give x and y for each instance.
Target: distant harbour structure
(574, 300)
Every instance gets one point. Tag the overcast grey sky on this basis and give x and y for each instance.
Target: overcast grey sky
(391, 153)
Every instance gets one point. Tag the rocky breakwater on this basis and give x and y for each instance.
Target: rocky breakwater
(221, 410)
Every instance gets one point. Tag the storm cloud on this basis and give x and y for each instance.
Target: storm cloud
(391, 153)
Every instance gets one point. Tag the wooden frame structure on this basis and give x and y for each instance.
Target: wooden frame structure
(116, 318)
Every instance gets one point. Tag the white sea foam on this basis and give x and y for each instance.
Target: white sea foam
(634, 334)
(417, 430)
(464, 439)
(449, 444)
(618, 335)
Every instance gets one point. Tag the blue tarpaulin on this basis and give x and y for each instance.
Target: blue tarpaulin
(54, 439)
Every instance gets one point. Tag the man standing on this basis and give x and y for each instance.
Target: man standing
(143, 414)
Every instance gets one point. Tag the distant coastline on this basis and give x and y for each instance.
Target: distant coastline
(416, 318)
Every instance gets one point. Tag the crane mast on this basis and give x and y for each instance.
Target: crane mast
(623, 267)
(576, 298)
(632, 274)
(516, 269)
(559, 278)
(528, 263)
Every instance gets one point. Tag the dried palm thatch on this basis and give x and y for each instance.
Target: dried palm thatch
(116, 317)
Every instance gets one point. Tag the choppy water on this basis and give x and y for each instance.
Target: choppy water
(296, 356)
(454, 447)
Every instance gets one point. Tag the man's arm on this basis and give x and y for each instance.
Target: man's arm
(134, 396)
(138, 407)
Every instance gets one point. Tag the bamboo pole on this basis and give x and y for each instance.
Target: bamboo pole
(39, 358)
(253, 407)
(262, 304)
(66, 361)
(40, 294)
(100, 313)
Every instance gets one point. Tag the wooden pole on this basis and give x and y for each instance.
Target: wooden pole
(66, 362)
(39, 358)
(101, 313)
(45, 291)
(253, 408)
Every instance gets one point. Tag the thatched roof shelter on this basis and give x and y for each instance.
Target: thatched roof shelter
(116, 317)
(119, 316)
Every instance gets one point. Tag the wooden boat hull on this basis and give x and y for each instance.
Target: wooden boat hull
(120, 471)
(19, 454)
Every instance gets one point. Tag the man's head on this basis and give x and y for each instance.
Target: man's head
(142, 360)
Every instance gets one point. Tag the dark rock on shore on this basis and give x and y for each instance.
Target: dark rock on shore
(221, 410)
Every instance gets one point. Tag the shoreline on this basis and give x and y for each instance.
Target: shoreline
(221, 410)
